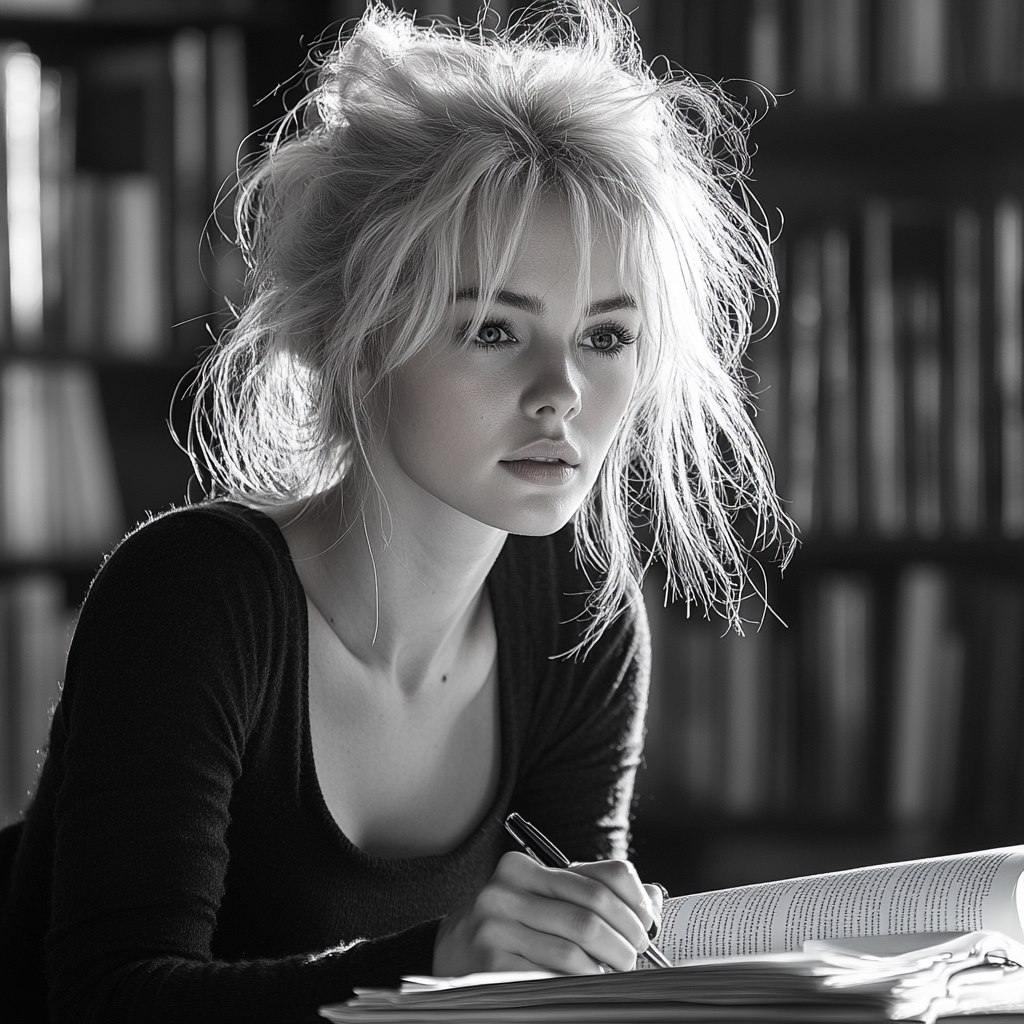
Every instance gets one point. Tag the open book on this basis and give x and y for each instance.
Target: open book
(914, 940)
(967, 892)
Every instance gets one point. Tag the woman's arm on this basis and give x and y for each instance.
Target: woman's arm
(164, 685)
(582, 748)
(587, 734)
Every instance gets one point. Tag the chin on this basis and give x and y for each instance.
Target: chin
(533, 522)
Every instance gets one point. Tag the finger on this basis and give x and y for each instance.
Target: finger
(656, 893)
(561, 904)
(576, 885)
(590, 897)
(563, 921)
(621, 878)
(504, 960)
(551, 950)
(514, 962)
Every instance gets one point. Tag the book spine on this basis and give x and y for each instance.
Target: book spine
(997, 611)
(812, 60)
(1009, 283)
(188, 74)
(765, 42)
(844, 671)
(847, 49)
(948, 705)
(747, 722)
(33, 8)
(23, 98)
(56, 507)
(927, 681)
(839, 383)
(26, 532)
(6, 50)
(98, 518)
(914, 48)
(86, 280)
(968, 460)
(805, 372)
(999, 39)
(51, 181)
(921, 320)
(884, 380)
(230, 130)
(68, 118)
(133, 310)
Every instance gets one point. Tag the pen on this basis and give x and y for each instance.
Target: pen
(543, 851)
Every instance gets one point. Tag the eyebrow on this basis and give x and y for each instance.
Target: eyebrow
(531, 304)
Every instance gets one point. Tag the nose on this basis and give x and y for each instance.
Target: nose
(553, 390)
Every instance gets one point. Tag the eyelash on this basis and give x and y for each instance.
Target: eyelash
(623, 333)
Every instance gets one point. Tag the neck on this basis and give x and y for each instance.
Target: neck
(403, 596)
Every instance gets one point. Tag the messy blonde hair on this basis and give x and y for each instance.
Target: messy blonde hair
(416, 138)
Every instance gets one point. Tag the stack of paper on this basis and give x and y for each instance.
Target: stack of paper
(845, 981)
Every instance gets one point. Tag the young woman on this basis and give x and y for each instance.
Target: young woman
(499, 290)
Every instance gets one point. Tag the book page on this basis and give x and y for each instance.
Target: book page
(963, 893)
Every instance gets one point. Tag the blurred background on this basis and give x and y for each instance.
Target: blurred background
(879, 713)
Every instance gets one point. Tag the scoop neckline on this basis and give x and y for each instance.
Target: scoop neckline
(310, 781)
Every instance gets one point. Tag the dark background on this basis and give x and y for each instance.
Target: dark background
(820, 157)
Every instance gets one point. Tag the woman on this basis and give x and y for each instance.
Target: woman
(499, 288)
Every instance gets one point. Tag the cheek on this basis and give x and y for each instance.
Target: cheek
(610, 399)
(437, 412)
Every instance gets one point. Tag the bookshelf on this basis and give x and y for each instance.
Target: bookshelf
(874, 725)
(120, 121)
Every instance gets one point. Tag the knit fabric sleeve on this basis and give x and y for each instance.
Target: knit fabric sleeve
(176, 645)
(587, 724)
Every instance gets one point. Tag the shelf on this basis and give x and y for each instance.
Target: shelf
(112, 14)
(992, 554)
(880, 132)
(693, 854)
(160, 364)
(75, 571)
(62, 565)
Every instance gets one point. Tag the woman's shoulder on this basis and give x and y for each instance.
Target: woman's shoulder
(229, 523)
(200, 544)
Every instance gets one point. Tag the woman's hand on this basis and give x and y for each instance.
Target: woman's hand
(529, 917)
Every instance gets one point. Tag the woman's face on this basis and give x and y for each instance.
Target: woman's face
(510, 427)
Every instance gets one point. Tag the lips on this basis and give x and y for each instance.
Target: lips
(541, 471)
(547, 451)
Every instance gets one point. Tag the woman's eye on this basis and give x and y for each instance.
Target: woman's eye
(492, 334)
(604, 340)
(609, 340)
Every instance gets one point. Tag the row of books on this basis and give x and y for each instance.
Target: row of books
(891, 396)
(843, 51)
(902, 693)
(110, 169)
(128, 10)
(59, 494)
(846, 51)
(35, 633)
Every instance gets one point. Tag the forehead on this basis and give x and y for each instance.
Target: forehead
(552, 252)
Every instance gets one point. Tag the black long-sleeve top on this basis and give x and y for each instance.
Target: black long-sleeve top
(178, 862)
